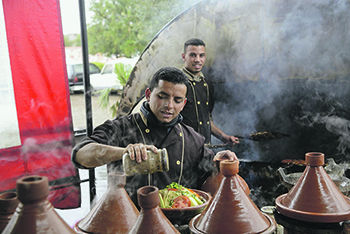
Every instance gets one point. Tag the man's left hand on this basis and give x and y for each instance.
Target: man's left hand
(225, 154)
(230, 139)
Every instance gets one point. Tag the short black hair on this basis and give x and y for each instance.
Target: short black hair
(193, 42)
(170, 74)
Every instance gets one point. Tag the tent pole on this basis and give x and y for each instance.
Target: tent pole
(87, 91)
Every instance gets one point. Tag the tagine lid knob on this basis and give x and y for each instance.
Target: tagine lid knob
(314, 159)
(148, 197)
(8, 202)
(221, 158)
(229, 167)
(151, 218)
(32, 188)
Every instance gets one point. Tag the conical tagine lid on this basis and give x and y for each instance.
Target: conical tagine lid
(114, 212)
(34, 213)
(315, 197)
(231, 210)
(151, 218)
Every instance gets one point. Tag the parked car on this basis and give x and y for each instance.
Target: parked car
(108, 78)
(75, 76)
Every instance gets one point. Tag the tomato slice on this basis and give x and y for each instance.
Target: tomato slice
(172, 189)
(181, 202)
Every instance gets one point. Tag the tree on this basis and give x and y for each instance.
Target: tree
(125, 27)
(72, 40)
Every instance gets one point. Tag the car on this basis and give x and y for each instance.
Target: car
(75, 75)
(108, 78)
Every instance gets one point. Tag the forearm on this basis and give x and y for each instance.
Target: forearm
(94, 155)
(218, 133)
(215, 131)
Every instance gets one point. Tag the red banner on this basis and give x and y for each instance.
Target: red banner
(40, 114)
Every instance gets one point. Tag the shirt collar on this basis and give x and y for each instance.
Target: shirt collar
(191, 77)
(149, 118)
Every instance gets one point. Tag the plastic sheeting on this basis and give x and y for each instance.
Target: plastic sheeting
(35, 89)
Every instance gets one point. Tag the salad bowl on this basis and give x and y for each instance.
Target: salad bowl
(182, 216)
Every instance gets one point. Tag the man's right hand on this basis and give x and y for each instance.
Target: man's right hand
(138, 152)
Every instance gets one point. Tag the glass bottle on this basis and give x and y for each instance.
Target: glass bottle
(155, 162)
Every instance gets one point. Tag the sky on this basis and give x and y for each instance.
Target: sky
(70, 16)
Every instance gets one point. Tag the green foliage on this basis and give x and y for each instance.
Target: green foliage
(123, 72)
(125, 27)
(104, 101)
(104, 98)
(99, 64)
(72, 40)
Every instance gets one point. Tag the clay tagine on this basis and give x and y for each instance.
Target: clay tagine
(315, 197)
(213, 182)
(35, 214)
(8, 204)
(231, 210)
(151, 219)
(113, 213)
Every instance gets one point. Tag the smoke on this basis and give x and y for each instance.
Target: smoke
(280, 39)
(340, 127)
(313, 38)
(284, 66)
(333, 124)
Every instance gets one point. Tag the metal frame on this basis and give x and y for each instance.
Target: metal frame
(87, 90)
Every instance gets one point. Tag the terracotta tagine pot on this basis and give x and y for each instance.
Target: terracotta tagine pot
(113, 213)
(315, 197)
(231, 210)
(8, 204)
(213, 182)
(151, 219)
(35, 214)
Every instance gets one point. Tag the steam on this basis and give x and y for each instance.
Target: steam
(314, 40)
(334, 124)
(285, 67)
(281, 40)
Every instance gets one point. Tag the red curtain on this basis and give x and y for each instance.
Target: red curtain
(41, 94)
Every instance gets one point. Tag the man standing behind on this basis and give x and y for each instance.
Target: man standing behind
(200, 96)
(157, 125)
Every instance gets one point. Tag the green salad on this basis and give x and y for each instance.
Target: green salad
(177, 196)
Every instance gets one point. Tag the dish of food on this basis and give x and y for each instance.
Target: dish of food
(182, 216)
(176, 196)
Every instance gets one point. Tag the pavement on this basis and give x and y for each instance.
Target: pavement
(99, 115)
